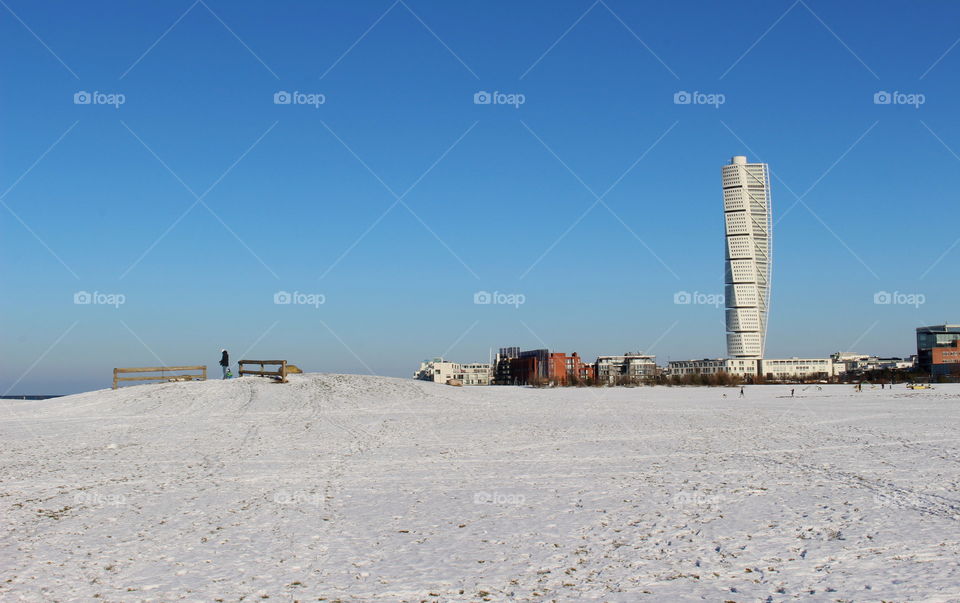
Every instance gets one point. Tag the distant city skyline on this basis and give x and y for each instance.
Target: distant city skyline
(357, 186)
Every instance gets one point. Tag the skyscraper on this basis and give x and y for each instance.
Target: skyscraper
(748, 217)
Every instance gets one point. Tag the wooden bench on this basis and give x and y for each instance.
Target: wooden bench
(163, 376)
(280, 374)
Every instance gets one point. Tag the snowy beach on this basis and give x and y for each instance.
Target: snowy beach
(341, 487)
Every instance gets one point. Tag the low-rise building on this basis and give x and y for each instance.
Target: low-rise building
(524, 367)
(743, 367)
(587, 373)
(630, 367)
(436, 369)
(785, 369)
(846, 362)
(477, 373)
(899, 364)
(530, 366)
(439, 370)
(852, 364)
(705, 366)
(563, 367)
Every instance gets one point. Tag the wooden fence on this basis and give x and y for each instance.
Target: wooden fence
(176, 373)
(280, 373)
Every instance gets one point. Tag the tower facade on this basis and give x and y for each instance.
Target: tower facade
(748, 220)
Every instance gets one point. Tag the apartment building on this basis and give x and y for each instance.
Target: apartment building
(514, 366)
(787, 369)
(477, 373)
(631, 367)
(439, 370)
(743, 367)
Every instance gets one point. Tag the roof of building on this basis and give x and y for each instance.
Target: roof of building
(939, 328)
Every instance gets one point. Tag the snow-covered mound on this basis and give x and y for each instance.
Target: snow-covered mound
(370, 488)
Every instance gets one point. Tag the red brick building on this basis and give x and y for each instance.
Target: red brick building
(946, 360)
(562, 366)
(544, 366)
(587, 372)
(527, 369)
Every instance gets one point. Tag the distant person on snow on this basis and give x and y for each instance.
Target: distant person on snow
(741, 391)
(225, 363)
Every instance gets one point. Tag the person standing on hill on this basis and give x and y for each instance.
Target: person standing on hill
(224, 362)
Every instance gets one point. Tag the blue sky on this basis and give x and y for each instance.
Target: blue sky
(398, 198)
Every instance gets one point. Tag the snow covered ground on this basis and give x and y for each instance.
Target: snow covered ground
(366, 488)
